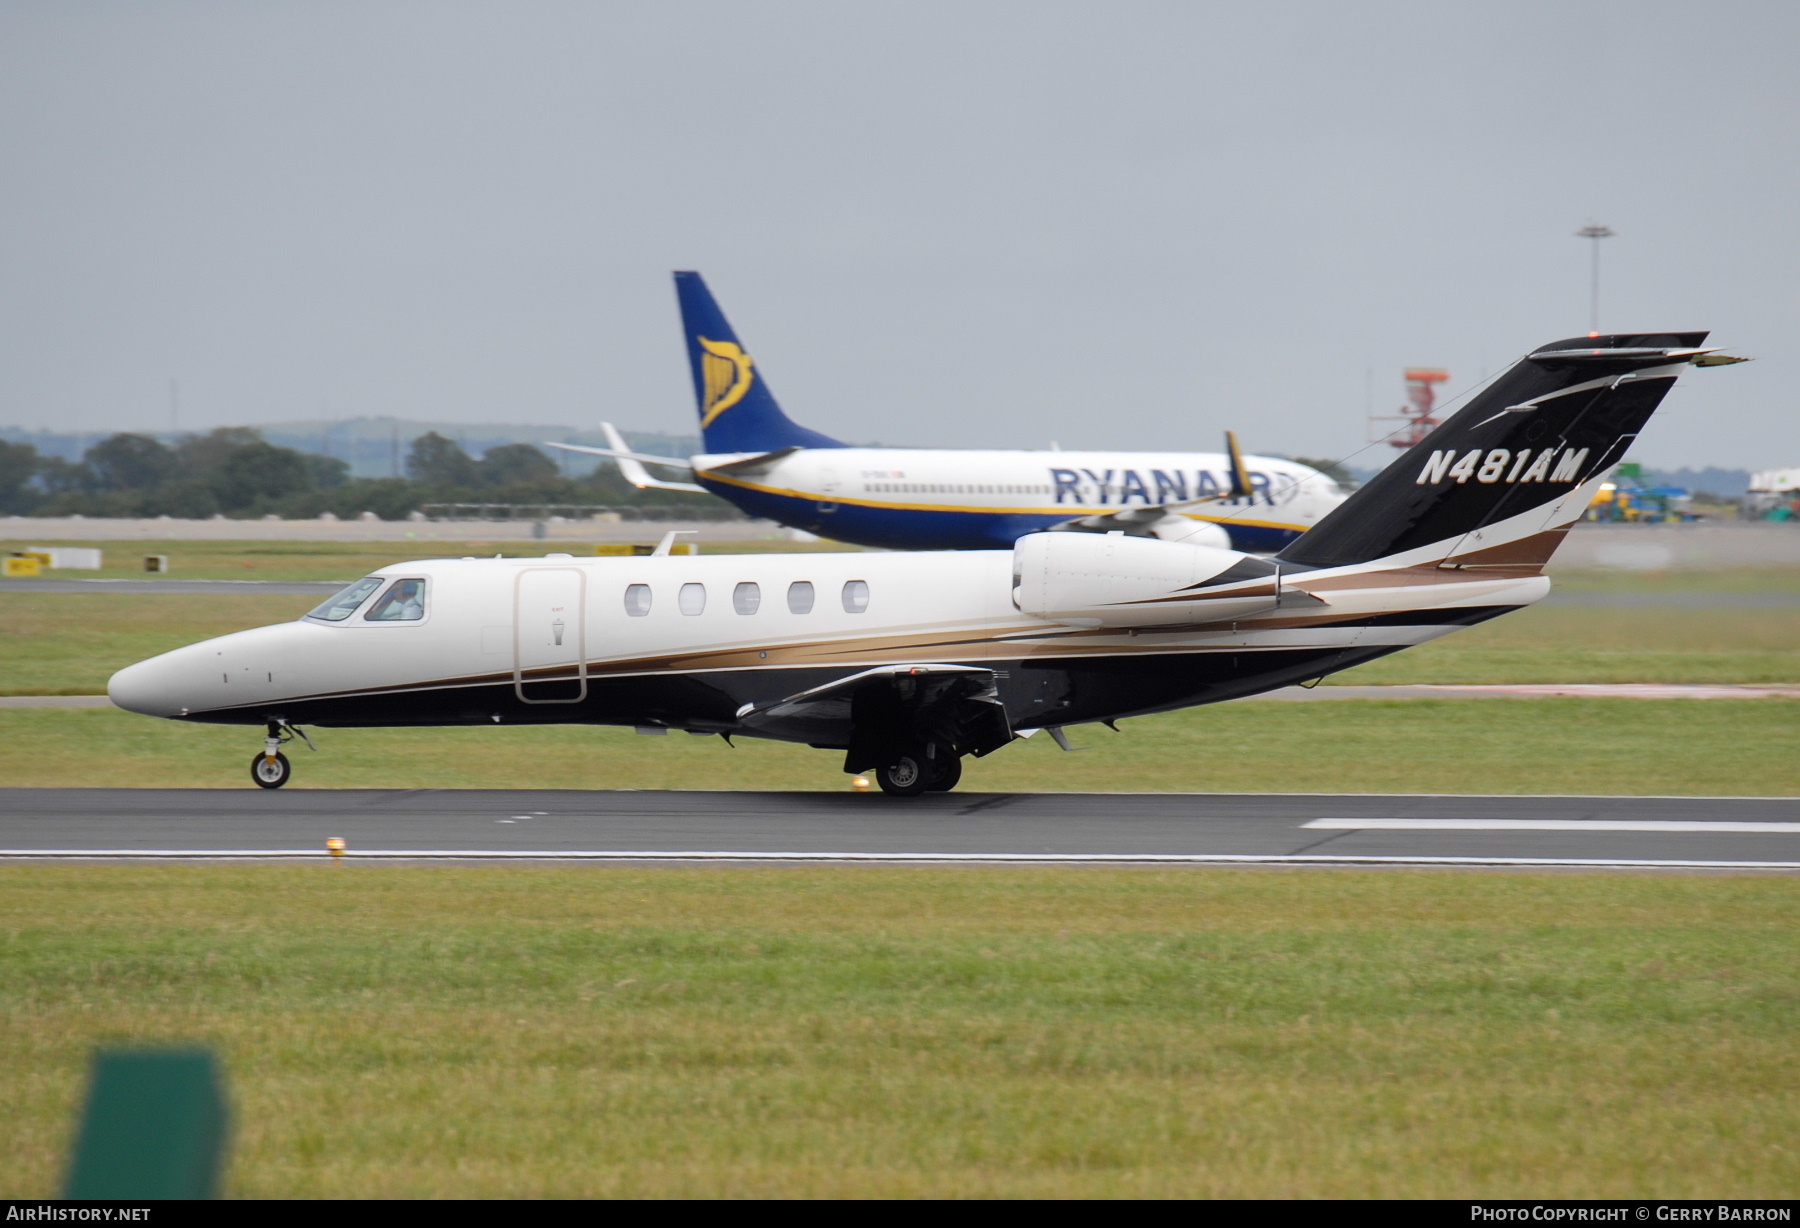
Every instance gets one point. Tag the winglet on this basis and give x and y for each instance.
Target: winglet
(667, 543)
(1234, 462)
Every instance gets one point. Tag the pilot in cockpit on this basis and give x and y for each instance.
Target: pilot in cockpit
(405, 602)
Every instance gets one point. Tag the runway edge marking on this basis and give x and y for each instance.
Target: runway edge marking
(1709, 826)
(1590, 863)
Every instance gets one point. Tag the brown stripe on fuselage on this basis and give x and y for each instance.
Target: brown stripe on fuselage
(1532, 552)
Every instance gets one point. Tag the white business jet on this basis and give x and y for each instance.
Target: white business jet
(905, 663)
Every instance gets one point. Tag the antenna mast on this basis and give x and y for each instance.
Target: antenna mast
(1418, 417)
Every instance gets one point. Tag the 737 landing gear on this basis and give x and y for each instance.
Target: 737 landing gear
(270, 769)
(919, 770)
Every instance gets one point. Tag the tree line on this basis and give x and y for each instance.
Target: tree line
(235, 472)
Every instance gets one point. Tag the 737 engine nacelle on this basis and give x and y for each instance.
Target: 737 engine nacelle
(1113, 580)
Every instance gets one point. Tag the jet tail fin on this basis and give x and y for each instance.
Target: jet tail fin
(738, 413)
(1508, 474)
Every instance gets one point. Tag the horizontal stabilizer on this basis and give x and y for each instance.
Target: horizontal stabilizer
(631, 464)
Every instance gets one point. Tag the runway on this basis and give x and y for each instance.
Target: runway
(1196, 829)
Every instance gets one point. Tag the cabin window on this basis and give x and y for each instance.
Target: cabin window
(800, 597)
(344, 604)
(856, 596)
(692, 599)
(637, 600)
(746, 597)
(404, 602)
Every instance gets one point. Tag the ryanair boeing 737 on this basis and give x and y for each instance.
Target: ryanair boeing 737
(931, 499)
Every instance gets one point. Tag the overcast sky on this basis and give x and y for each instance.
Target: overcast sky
(961, 224)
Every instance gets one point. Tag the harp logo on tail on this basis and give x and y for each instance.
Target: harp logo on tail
(726, 375)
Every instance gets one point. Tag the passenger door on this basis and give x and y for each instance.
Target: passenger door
(550, 635)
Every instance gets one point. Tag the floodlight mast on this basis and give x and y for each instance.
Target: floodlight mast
(1595, 232)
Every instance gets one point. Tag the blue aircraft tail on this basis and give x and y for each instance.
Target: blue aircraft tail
(738, 413)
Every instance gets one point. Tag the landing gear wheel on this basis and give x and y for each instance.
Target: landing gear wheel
(946, 770)
(908, 776)
(270, 773)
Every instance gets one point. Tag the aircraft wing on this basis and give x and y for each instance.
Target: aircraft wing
(961, 703)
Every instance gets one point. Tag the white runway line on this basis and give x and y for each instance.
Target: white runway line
(1646, 825)
(742, 855)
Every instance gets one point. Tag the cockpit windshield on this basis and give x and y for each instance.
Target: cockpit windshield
(403, 603)
(344, 604)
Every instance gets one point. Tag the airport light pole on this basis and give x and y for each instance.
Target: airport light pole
(1595, 232)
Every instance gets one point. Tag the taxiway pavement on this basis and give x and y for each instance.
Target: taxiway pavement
(1369, 829)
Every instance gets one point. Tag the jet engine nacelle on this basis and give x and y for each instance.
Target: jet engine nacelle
(1113, 580)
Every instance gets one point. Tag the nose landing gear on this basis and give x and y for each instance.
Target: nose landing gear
(271, 769)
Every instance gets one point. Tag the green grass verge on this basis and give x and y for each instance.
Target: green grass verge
(1548, 643)
(1767, 578)
(71, 643)
(544, 1032)
(1704, 747)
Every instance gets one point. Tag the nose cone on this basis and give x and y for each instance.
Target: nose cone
(151, 687)
(235, 673)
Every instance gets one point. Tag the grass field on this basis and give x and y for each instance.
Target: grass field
(300, 560)
(1548, 643)
(1628, 746)
(866, 1032)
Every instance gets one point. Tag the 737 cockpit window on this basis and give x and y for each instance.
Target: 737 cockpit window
(344, 604)
(403, 603)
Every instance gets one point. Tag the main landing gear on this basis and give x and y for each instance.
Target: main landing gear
(927, 769)
(270, 769)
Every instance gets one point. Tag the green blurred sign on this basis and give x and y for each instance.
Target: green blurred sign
(154, 1127)
(1631, 469)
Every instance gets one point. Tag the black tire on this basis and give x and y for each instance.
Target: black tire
(946, 771)
(270, 776)
(908, 776)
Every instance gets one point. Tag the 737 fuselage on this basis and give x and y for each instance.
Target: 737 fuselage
(975, 500)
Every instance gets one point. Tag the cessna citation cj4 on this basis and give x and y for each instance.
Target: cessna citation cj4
(776, 469)
(905, 663)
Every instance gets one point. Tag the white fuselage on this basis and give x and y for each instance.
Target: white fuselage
(924, 498)
(689, 641)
